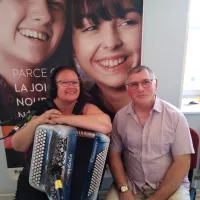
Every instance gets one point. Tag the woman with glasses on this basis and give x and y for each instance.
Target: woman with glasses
(70, 107)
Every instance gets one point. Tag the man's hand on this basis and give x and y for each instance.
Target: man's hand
(173, 178)
(128, 195)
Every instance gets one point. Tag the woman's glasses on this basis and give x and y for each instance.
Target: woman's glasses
(74, 83)
(145, 84)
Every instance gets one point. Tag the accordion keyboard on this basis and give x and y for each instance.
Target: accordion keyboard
(37, 158)
(97, 172)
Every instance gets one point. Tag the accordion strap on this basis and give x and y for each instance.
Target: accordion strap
(78, 108)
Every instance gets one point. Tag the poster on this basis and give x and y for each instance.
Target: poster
(104, 47)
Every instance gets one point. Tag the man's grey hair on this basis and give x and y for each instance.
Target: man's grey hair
(138, 69)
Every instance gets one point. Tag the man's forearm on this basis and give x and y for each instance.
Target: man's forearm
(117, 169)
(173, 179)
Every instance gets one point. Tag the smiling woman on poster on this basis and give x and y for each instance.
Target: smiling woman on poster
(30, 34)
(106, 39)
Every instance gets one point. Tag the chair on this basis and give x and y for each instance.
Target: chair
(193, 164)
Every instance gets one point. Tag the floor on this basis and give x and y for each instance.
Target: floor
(6, 197)
(11, 197)
(198, 195)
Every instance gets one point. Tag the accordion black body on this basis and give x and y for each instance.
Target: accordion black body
(79, 160)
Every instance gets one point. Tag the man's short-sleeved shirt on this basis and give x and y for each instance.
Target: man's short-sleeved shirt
(148, 151)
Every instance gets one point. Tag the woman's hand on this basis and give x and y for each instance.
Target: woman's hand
(61, 119)
(46, 118)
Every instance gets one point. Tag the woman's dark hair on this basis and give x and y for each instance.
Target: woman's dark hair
(53, 86)
(98, 10)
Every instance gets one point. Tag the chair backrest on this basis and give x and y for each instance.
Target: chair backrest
(195, 140)
(193, 164)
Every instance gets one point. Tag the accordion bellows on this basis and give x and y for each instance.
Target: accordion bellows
(79, 160)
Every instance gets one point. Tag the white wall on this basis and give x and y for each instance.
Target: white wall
(164, 34)
(163, 49)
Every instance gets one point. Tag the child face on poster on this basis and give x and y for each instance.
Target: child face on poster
(31, 29)
(106, 38)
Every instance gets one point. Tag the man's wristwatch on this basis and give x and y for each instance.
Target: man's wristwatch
(123, 188)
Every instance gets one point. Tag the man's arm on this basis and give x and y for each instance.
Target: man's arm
(119, 175)
(173, 178)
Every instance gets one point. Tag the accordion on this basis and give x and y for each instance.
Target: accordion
(80, 160)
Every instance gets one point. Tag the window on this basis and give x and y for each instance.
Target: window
(191, 86)
(192, 65)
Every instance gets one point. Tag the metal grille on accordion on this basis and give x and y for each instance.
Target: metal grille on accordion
(79, 161)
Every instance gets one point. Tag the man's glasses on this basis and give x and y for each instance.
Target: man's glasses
(75, 83)
(145, 84)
